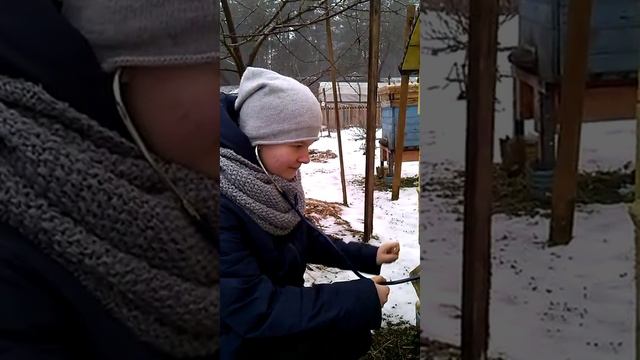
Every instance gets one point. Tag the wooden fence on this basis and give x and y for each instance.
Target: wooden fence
(351, 114)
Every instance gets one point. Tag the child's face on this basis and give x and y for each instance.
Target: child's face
(285, 159)
(174, 108)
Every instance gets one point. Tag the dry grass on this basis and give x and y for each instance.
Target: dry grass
(401, 340)
(398, 340)
(321, 156)
(437, 350)
(512, 195)
(318, 210)
(381, 185)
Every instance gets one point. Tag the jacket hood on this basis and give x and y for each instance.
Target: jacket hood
(39, 45)
(231, 137)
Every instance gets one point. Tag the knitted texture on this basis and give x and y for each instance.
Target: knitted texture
(247, 185)
(147, 32)
(88, 198)
(276, 109)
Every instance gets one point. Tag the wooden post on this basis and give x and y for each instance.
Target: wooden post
(326, 110)
(548, 115)
(519, 150)
(476, 278)
(574, 79)
(518, 122)
(402, 116)
(637, 173)
(335, 106)
(372, 109)
(635, 215)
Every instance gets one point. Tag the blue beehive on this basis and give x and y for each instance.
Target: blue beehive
(390, 123)
(614, 38)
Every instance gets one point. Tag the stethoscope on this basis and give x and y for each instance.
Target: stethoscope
(294, 206)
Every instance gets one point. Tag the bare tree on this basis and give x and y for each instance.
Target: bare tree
(447, 31)
(289, 36)
(272, 22)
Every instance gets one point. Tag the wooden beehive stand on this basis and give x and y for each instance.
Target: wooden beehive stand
(607, 37)
(389, 96)
(540, 100)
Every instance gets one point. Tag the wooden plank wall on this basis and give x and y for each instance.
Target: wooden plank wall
(350, 116)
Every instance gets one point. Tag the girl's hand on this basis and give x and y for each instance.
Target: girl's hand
(388, 253)
(383, 290)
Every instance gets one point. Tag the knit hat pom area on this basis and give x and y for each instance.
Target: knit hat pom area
(147, 32)
(276, 109)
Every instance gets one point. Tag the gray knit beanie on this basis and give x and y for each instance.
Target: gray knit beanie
(147, 32)
(276, 109)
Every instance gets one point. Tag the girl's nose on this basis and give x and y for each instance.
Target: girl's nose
(304, 156)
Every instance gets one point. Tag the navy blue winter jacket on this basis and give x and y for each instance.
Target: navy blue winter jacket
(264, 304)
(45, 312)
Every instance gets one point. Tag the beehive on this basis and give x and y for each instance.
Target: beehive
(614, 37)
(389, 96)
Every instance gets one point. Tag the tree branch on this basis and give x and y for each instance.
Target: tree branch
(234, 50)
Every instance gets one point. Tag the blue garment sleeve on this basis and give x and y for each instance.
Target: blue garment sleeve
(28, 321)
(252, 306)
(361, 255)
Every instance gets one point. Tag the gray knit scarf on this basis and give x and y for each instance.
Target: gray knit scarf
(88, 198)
(247, 185)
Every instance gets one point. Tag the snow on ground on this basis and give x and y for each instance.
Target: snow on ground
(393, 220)
(574, 302)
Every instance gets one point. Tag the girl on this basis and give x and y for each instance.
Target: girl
(265, 245)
